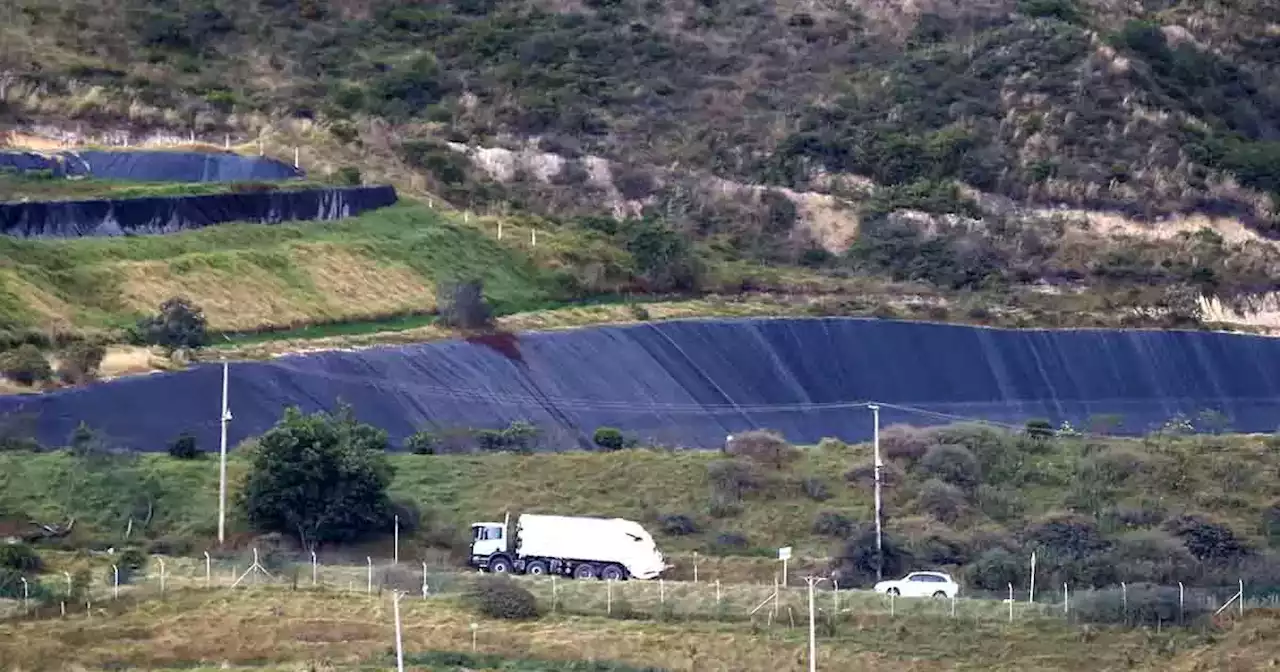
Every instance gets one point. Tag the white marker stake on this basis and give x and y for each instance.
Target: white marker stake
(369, 586)
(424, 580)
(395, 602)
(396, 558)
(208, 570)
(315, 569)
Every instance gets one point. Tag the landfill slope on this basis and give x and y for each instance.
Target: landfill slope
(153, 165)
(690, 383)
(170, 214)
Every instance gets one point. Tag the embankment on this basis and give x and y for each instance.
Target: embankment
(170, 214)
(693, 382)
(152, 166)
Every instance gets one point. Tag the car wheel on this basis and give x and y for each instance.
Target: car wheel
(613, 573)
(893, 592)
(940, 594)
(584, 571)
(536, 568)
(499, 565)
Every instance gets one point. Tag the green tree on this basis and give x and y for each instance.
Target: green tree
(26, 365)
(322, 477)
(180, 324)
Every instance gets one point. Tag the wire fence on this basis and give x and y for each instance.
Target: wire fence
(108, 586)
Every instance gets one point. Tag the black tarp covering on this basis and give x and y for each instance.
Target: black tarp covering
(23, 162)
(168, 214)
(165, 166)
(693, 382)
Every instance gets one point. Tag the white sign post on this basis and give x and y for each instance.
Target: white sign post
(784, 554)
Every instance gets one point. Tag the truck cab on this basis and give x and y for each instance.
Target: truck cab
(486, 540)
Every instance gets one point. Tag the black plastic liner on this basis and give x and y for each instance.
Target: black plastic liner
(163, 166)
(170, 214)
(691, 383)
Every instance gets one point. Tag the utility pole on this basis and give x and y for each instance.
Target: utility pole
(222, 462)
(875, 443)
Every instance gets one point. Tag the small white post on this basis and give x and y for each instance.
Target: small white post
(474, 627)
(835, 598)
(161, 561)
(893, 609)
(193, 137)
(115, 588)
(466, 216)
(369, 583)
(262, 148)
(424, 580)
(717, 592)
(662, 592)
(26, 593)
(208, 570)
(555, 594)
(1242, 598)
(396, 557)
(297, 157)
(315, 569)
(533, 237)
(813, 637)
(953, 606)
(62, 608)
(1124, 601)
(499, 229)
(395, 605)
(70, 587)
(226, 141)
(1180, 602)
(784, 572)
(1066, 602)
(608, 608)
(1031, 592)
(695, 566)
(1010, 602)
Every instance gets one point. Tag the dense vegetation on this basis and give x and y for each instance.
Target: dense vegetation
(1150, 111)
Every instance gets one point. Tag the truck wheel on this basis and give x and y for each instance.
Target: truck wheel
(584, 571)
(536, 568)
(613, 573)
(499, 565)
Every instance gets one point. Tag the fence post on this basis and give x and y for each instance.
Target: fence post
(315, 569)
(208, 570)
(424, 580)
(26, 593)
(1181, 597)
(1242, 598)
(555, 594)
(835, 598)
(717, 593)
(695, 566)
(1124, 602)
(115, 588)
(1066, 602)
(395, 603)
(161, 561)
(608, 609)
(1010, 602)
(662, 592)
(369, 585)
(396, 558)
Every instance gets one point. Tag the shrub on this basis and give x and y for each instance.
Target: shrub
(732, 479)
(766, 448)
(943, 501)
(864, 475)
(1136, 516)
(1068, 536)
(678, 524)
(723, 507)
(348, 176)
(422, 442)
(857, 561)
(10, 583)
(79, 362)
(727, 543)
(1152, 556)
(1039, 428)
(130, 562)
(815, 489)
(1113, 466)
(952, 464)
(1140, 604)
(25, 365)
(180, 324)
(833, 524)
(20, 558)
(1208, 541)
(904, 442)
(941, 549)
(998, 504)
(609, 438)
(1271, 524)
(500, 597)
(184, 447)
(462, 305)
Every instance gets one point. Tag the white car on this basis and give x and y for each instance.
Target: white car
(920, 584)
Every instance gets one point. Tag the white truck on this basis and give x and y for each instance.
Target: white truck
(612, 549)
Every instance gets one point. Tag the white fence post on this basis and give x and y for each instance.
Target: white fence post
(396, 558)
(395, 603)
(1010, 602)
(161, 561)
(315, 569)
(424, 580)
(115, 588)
(208, 570)
(369, 584)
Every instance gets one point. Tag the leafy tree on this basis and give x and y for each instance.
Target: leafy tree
(26, 365)
(954, 465)
(180, 324)
(184, 447)
(323, 477)
(609, 438)
(462, 305)
(422, 442)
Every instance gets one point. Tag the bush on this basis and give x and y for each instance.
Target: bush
(348, 176)
(462, 305)
(79, 362)
(728, 543)
(1208, 541)
(422, 442)
(731, 480)
(1068, 536)
(1138, 516)
(904, 442)
(998, 504)
(678, 524)
(180, 324)
(609, 438)
(184, 447)
(766, 448)
(952, 464)
(1113, 466)
(833, 524)
(1271, 525)
(20, 558)
(500, 597)
(26, 365)
(864, 475)
(1152, 556)
(939, 549)
(943, 501)
(1140, 604)
(1039, 428)
(130, 562)
(815, 489)
(856, 563)
(995, 569)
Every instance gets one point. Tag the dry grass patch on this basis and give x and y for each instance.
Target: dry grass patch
(234, 293)
(355, 284)
(47, 308)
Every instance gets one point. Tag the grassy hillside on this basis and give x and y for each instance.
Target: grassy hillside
(1197, 509)
(743, 125)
